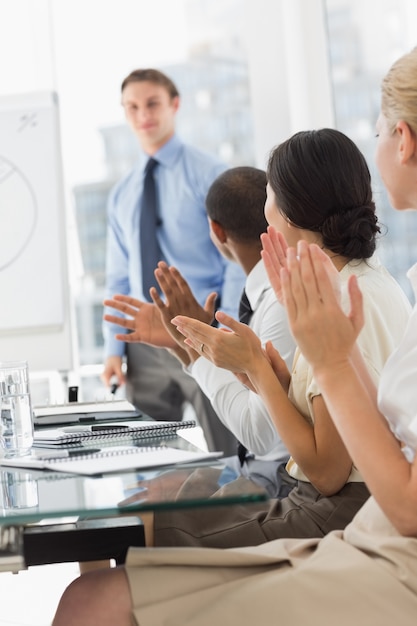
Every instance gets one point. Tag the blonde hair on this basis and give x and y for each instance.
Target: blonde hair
(399, 92)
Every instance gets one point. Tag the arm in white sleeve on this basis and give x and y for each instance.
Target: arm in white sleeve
(241, 410)
(270, 323)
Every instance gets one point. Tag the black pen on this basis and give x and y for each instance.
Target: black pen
(83, 428)
(100, 427)
(114, 387)
(83, 451)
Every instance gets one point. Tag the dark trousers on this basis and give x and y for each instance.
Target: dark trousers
(304, 513)
(158, 385)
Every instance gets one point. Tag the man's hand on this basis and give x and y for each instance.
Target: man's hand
(113, 367)
(143, 320)
(179, 300)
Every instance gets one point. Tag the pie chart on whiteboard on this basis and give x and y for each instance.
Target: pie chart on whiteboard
(18, 213)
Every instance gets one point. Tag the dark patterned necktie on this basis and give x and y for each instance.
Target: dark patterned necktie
(148, 225)
(245, 309)
(245, 314)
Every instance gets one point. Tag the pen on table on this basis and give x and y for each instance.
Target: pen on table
(95, 428)
(83, 452)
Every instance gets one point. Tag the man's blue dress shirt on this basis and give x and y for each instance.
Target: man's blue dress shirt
(184, 176)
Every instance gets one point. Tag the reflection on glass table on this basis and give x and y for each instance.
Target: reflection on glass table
(29, 496)
(19, 491)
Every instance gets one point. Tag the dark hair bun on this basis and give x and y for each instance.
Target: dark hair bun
(351, 232)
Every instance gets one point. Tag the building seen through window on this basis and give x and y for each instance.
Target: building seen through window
(358, 60)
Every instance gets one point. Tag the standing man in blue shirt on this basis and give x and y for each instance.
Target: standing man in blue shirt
(155, 382)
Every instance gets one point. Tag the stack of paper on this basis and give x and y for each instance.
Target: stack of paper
(111, 459)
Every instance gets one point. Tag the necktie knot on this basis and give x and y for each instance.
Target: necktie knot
(245, 309)
(150, 166)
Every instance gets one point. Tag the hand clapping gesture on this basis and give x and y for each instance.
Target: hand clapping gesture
(324, 333)
(150, 323)
(142, 319)
(179, 300)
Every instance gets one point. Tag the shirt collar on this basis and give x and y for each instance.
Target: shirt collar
(412, 277)
(168, 155)
(256, 283)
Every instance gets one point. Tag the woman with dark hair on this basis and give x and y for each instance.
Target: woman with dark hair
(319, 190)
(366, 574)
(320, 183)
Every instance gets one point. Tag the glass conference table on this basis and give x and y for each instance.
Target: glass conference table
(51, 517)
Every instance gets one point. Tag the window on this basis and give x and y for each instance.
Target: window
(364, 39)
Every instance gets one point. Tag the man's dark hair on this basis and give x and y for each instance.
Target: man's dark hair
(236, 201)
(152, 76)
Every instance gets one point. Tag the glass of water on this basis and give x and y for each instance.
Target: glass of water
(16, 420)
(19, 490)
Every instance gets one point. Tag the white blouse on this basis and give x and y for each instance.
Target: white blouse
(387, 312)
(397, 395)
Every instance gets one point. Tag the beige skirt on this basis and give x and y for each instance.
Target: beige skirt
(366, 576)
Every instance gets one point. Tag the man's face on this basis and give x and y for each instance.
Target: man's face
(150, 112)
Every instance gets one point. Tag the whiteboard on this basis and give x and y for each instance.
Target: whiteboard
(35, 312)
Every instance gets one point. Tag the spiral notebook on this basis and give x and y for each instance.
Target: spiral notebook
(68, 435)
(111, 459)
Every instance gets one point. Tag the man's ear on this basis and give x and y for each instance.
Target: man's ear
(175, 102)
(218, 231)
(408, 145)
